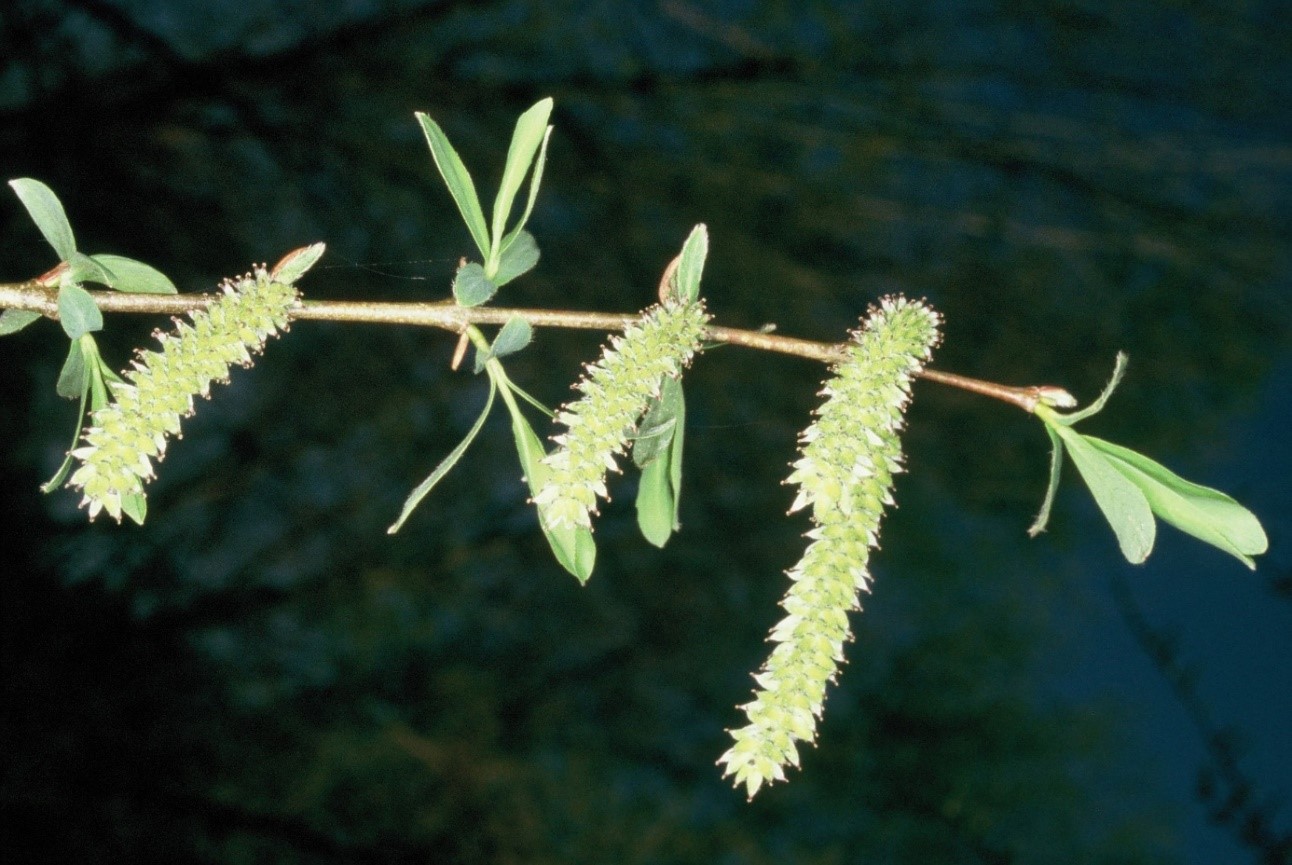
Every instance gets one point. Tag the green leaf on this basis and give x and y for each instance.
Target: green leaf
(517, 259)
(73, 379)
(470, 286)
(1056, 468)
(83, 268)
(531, 128)
(46, 211)
(82, 375)
(105, 372)
(653, 438)
(96, 371)
(691, 267)
(657, 427)
(77, 312)
(1130, 489)
(1207, 514)
(458, 180)
(515, 335)
(135, 277)
(446, 465)
(573, 547)
(657, 450)
(1122, 502)
(1119, 370)
(294, 264)
(135, 506)
(518, 391)
(66, 467)
(675, 456)
(655, 503)
(535, 180)
(14, 320)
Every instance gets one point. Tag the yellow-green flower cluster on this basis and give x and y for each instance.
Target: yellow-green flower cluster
(845, 473)
(616, 392)
(125, 436)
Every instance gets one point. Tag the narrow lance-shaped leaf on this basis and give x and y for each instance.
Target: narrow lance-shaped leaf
(446, 465)
(1119, 370)
(529, 398)
(82, 377)
(691, 266)
(655, 503)
(97, 373)
(657, 450)
(458, 180)
(1056, 470)
(47, 212)
(528, 134)
(65, 468)
(573, 546)
(675, 457)
(535, 181)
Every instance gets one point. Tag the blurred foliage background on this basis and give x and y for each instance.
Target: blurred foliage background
(261, 674)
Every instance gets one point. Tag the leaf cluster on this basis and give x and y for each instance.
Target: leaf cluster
(84, 375)
(509, 251)
(1130, 489)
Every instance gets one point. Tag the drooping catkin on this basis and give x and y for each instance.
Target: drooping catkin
(616, 392)
(124, 437)
(849, 455)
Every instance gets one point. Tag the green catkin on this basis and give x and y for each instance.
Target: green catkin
(615, 393)
(845, 473)
(125, 437)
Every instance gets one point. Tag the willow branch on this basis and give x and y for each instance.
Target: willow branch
(38, 297)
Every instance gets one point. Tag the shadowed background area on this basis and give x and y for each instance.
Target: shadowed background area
(261, 674)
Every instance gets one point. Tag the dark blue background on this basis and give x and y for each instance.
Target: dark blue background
(262, 674)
